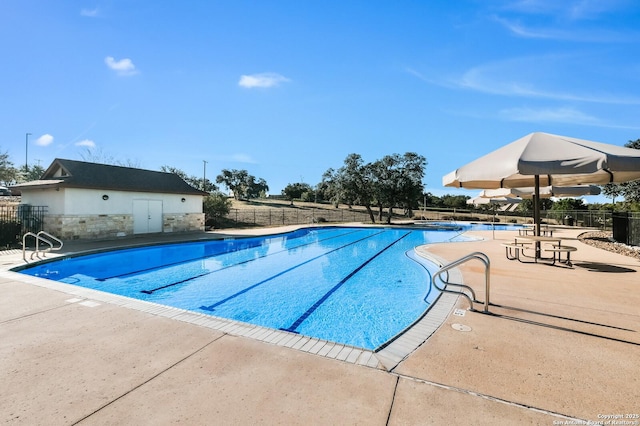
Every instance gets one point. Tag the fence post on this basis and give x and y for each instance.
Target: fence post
(621, 227)
(634, 230)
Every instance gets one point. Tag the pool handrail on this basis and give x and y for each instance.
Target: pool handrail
(472, 299)
(38, 237)
(51, 247)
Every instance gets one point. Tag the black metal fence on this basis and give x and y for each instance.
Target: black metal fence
(599, 219)
(291, 216)
(626, 228)
(298, 216)
(585, 218)
(17, 220)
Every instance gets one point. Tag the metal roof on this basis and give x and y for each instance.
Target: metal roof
(64, 173)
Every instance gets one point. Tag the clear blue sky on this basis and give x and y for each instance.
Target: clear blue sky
(287, 89)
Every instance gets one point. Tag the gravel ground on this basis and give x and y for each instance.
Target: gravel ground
(605, 241)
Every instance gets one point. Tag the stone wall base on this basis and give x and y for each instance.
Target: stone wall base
(75, 227)
(183, 222)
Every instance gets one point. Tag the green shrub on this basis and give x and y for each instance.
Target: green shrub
(9, 233)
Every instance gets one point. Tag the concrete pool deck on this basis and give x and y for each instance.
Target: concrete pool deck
(563, 346)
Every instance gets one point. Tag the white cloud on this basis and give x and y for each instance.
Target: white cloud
(532, 6)
(522, 31)
(86, 142)
(527, 77)
(90, 13)
(419, 75)
(122, 67)
(44, 140)
(243, 158)
(563, 115)
(567, 9)
(559, 115)
(568, 34)
(263, 80)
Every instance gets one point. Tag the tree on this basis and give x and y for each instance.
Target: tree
(393, 181)
(398, 182)
(328, 188)
(385, 185)
(309, 196)
(565, 204)
(612, 190)
(32, 173)
(216, 205)
(351, 184)
(194, 181)
(8, 173)
(296, 190)
(410, 188)
(256, 188)
(454, 201)
(99, 156)
(243, 185)
(629, 190)
(527, 204)
(430, 200)
(321, 193)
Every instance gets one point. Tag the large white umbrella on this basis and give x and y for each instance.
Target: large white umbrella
(545, 191)
(481, 200)
(493, 201)
(543, 159)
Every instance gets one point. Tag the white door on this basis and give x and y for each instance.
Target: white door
(155, 216)
(147, 216)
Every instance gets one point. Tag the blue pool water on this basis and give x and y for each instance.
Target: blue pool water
(357, 286)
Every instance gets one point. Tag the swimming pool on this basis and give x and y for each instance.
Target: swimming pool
(356, 286)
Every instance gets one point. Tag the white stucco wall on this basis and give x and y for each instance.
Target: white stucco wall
(44, 197)
(72, 201)
(83, 213)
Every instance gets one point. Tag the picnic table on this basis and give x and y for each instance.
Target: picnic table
(530, 230)
(554, 246)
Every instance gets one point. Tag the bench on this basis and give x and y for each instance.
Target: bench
(512, 250)
(557, 251)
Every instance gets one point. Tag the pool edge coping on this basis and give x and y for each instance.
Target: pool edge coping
(419, 332)
(386, 359)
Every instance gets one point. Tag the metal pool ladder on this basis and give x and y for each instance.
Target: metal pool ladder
(39, 237)
(471, 298)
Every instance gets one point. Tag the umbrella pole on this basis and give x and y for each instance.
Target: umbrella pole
(493, 223)
(536, 212)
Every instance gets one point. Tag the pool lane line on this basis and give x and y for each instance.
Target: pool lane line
(247, 261)
(215, 255)
(303, 317)
(180, 262)
(211, 308)
(232, 265)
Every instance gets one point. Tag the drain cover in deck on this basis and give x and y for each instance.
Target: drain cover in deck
(460, 327)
